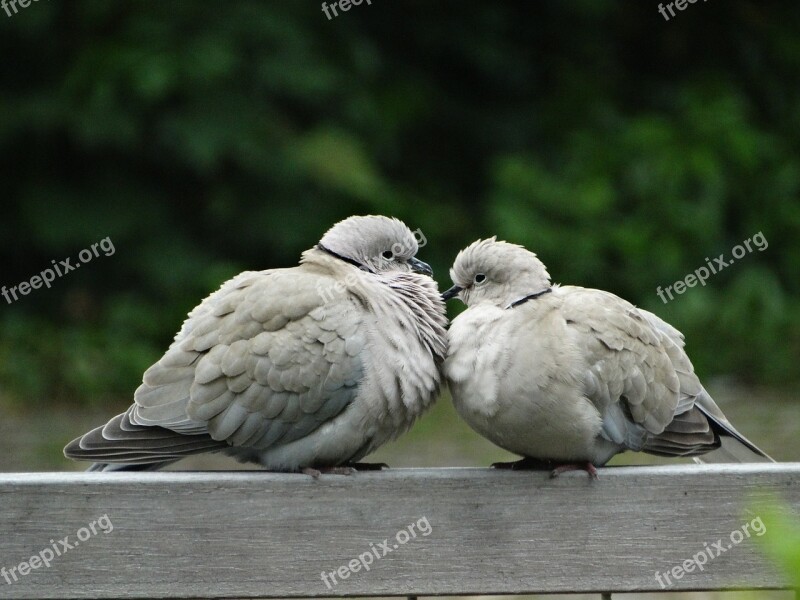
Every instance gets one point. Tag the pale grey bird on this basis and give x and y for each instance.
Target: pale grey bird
(306, 368)
(567, 376)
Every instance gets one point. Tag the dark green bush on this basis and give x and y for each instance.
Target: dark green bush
(206, 138)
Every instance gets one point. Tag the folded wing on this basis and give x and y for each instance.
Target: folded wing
(263, 361)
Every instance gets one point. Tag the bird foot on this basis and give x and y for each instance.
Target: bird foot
(587, 466)
(348, 469)
(524, 464)
(364, 466)
(315, 473)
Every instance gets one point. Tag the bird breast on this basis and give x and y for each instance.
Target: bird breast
(406, 345)
(517, 378)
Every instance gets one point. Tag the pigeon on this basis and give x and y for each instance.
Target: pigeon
(308, 368)
(568, 377)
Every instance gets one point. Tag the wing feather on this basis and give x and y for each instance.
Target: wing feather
(638, 376)
(641, 380)
(262, 361)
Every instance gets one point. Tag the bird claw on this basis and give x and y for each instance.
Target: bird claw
(315, 473)
(348, 469)
(364, 466)
(524, 464)
(587, 466)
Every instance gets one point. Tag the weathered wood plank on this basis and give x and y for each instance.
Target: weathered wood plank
(478, 531)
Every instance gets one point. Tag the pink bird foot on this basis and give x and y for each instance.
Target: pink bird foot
(587, 466)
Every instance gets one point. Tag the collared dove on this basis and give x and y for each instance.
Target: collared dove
(305, 368)
(571, 376)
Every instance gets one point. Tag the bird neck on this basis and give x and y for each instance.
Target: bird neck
(524, 299)
(351, 261)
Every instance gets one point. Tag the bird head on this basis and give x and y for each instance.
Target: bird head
(496, 272)
(376, 243)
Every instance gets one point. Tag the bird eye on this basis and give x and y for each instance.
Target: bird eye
(388, 255)
(480, 278)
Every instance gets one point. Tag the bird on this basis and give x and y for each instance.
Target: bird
(567, 377)
(302, 369)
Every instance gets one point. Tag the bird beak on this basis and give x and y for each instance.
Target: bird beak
(451, 293)
(420, 267)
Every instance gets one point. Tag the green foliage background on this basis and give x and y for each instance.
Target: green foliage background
(205, 138)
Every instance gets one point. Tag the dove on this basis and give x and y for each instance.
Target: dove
(308, 368)
(567, 376)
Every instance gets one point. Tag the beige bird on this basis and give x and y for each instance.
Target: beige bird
(306, 368)
(568, 376)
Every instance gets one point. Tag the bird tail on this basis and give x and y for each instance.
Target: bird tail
(121, 445)
(732, 450)
(123, 467)
(734, 446)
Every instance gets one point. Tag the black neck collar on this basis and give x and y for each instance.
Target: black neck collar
(355, 263)
(531, 297)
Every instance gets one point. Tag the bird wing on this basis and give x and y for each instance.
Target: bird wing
(265, 360)
(638, 375)
(701, 416)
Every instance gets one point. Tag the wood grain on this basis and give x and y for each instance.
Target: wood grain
(263, 535)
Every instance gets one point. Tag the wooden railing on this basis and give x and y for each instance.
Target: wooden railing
(399, 532)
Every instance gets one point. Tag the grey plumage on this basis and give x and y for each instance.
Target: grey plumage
(311, 366)
(569, 374)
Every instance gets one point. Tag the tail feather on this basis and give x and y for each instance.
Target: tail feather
(122, 467)
(735, 447)
(704, 433)
(121, 445)
(732, 451)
